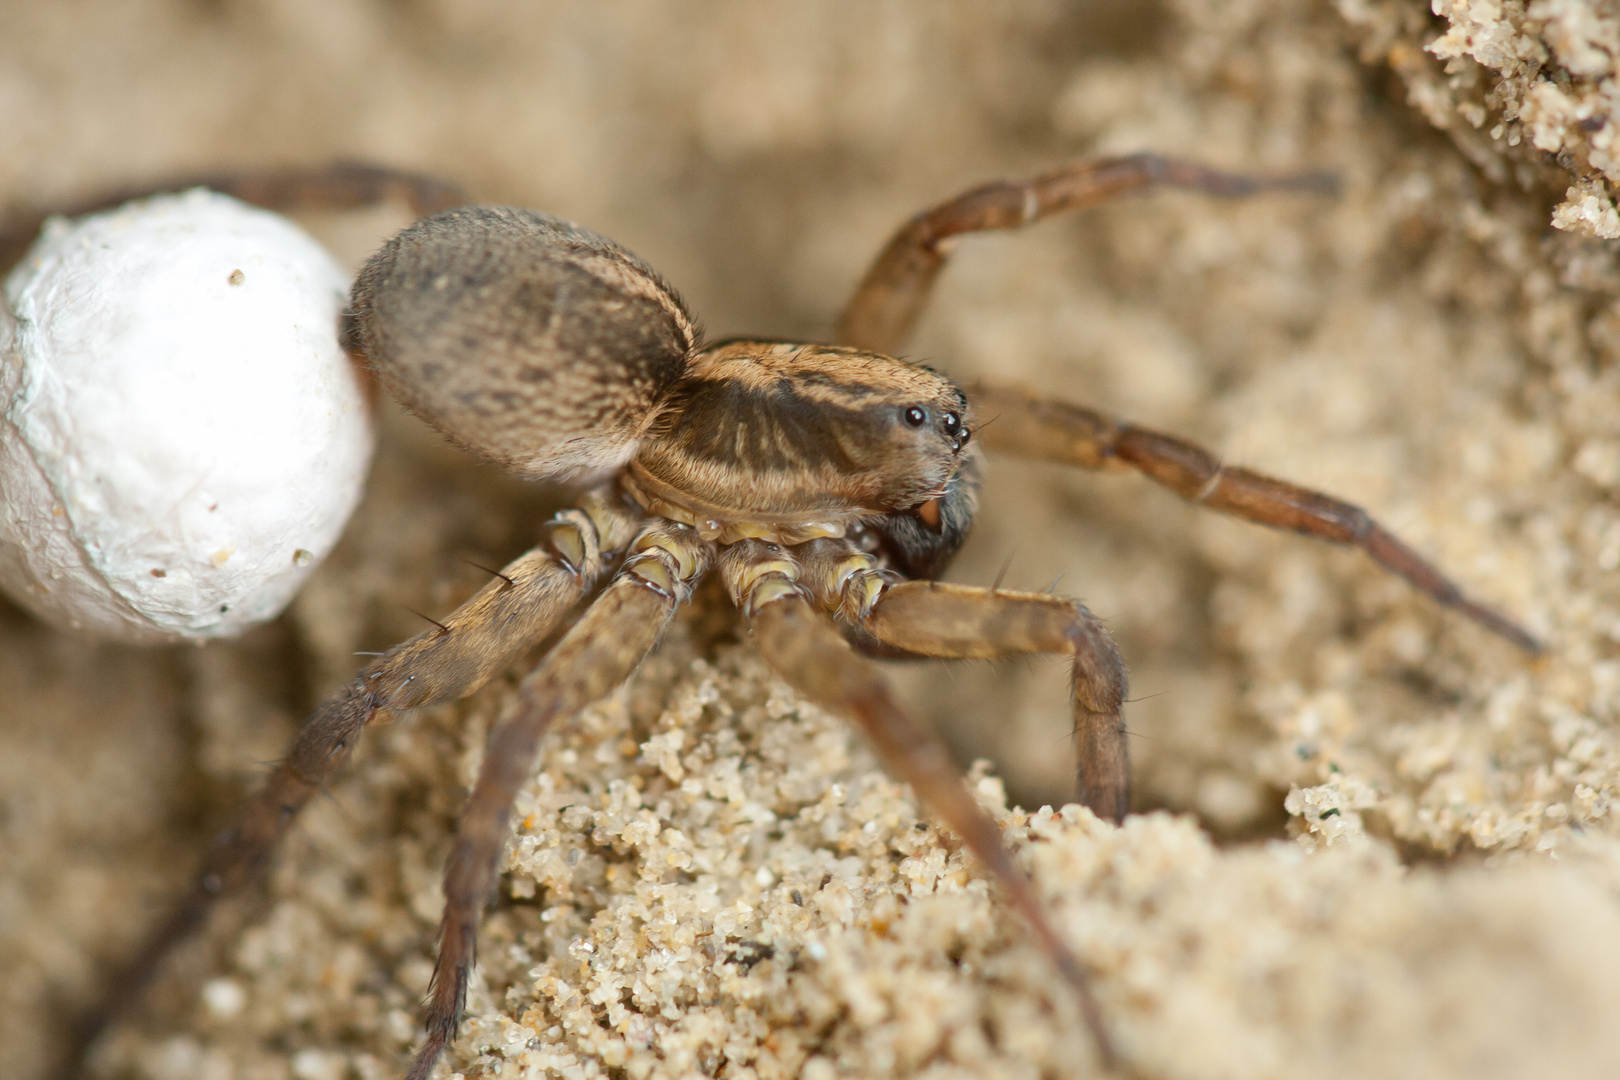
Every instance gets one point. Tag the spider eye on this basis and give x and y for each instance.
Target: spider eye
(953, 424)
(915, 416)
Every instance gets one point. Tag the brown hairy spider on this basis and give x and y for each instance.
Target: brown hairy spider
(827, 485)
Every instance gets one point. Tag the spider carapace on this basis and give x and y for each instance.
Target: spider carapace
(828, 486)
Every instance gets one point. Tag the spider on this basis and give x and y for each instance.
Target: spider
(828, 487)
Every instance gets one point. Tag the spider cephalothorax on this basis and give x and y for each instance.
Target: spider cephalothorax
(826, 485)
(550, 349)
(764, 433)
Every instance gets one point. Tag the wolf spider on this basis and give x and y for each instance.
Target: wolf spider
(827, 485)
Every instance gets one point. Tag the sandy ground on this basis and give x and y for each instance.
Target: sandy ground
(1375, 841)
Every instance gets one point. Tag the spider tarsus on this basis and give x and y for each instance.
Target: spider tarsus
(1388, 551)
(428, 1055)
(1226, 185)
(1500, 624)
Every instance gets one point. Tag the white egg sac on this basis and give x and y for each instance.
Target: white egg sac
(183, 437)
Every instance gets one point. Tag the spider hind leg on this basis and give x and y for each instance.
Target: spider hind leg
(892, 295)
(341, 185)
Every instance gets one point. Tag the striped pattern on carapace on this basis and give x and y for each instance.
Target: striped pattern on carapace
(776, 433)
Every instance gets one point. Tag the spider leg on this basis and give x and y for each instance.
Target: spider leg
(450, 661)
(806, 650)
(341, 185)
(601, 650)
(1031, 427)
(962, 622)
(892, 295)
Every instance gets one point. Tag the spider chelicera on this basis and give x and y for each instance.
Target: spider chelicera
(827, 485)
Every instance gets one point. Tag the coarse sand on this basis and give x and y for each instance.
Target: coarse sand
(1374, 841)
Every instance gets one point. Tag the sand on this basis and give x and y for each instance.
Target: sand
(1373, 840)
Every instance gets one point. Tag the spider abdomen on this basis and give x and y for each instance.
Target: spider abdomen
(529, 340)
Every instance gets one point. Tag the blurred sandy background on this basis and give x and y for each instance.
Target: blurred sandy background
(1426, 346)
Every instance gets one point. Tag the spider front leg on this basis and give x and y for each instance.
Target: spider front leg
(892, 295)
(521, 606)
(601, 650)
(1033, 427)
(807, 652)
(963, 622)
